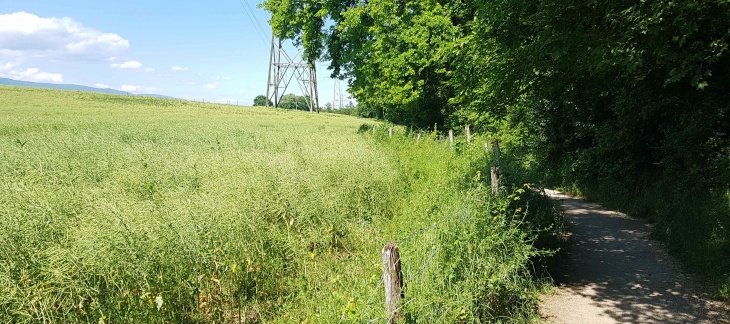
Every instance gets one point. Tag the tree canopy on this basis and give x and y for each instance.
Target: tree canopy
(261, 100)
(292, 101)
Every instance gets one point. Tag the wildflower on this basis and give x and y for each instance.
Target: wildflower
(158, 301)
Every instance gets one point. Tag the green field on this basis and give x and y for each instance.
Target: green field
(132, 209)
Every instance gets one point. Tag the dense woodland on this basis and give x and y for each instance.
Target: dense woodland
(626, 102)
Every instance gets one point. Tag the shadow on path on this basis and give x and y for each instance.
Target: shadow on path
(613, 272)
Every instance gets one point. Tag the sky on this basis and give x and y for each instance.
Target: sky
(217, 51)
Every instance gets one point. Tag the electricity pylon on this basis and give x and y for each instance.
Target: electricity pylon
(283, 68)
(338, 100)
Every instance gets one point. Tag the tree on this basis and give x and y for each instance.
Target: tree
(292, 101)
(393, 53)
(261, 100)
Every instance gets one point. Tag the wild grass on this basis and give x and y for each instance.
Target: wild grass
(131, 209)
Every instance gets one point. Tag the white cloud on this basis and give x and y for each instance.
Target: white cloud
(129, 88)
(149, 70)
(127, 65)
(211, 86)
(7, 66)
(101, 86)
(179, 68)
(30, 74)
(23, 34)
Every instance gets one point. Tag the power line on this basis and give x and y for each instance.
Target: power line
(255, 19)
(255, 22)
(258, 22)
(252, 18)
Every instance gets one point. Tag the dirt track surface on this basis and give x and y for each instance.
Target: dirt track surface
(612, 272)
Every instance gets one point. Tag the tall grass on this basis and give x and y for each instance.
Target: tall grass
(132, 209)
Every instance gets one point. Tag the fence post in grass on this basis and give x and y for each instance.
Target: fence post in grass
(495, 180)
(451, 139)
(418, 137)
(392, 281)
(390, 131)
(495, 147)
(495, 169)
(468, 135)
(373, 128)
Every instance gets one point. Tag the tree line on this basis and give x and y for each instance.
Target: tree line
(288, 101)
(625, 101)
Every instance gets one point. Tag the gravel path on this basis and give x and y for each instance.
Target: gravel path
(613, 273)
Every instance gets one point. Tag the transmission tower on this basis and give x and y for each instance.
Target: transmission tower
(338, 100)
(283, 69)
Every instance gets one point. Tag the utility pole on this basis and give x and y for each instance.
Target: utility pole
(283, 69)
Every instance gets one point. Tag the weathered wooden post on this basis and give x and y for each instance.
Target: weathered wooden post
(390, 131)
(373, 129)
(418, 137)
(495, 169)
(468, 134)
(495, 180)
(393, 282)
(495, 147)
(451, 139)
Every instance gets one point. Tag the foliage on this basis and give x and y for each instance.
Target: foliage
(625, 100)
(352, 110)
(393, 53)
(292, 101)
(629, 101)
(136, 209)
(261, 101)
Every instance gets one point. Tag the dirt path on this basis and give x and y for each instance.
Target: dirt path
(613, 273)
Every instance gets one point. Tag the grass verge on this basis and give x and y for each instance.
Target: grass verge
(134, 209)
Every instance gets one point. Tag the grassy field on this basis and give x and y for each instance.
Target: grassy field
(132, 209)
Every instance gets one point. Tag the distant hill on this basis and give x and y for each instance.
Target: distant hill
(4, 81)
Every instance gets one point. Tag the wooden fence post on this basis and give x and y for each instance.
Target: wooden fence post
(393, 281)
(495, 147)
(495, 169)
(373, 129)
(468, 134)
(495, 180)
(390, 131)
(451, 139)
(418, 137)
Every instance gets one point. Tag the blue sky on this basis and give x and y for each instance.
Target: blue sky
(196, 50)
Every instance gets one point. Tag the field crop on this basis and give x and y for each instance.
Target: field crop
(133, 209)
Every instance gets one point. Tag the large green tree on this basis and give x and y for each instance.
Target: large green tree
(394, 53)
(261, 100)
(292, 101)
(628, 100)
